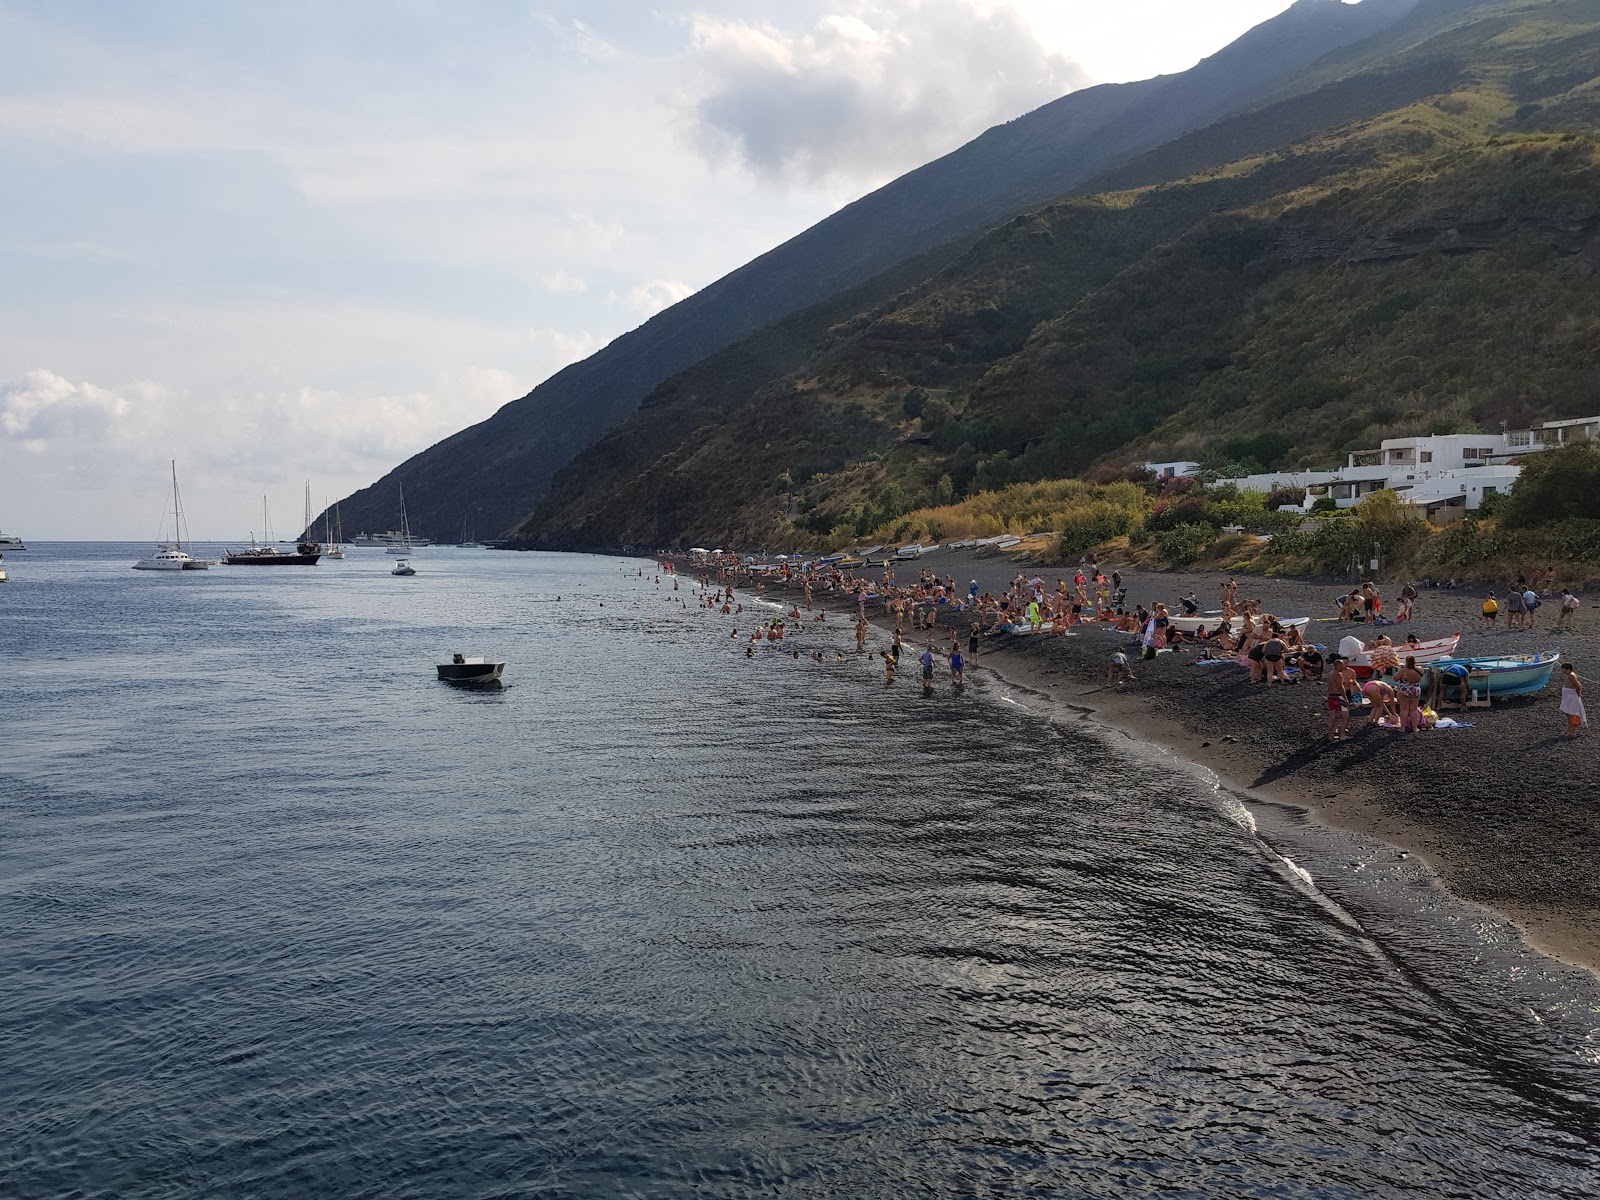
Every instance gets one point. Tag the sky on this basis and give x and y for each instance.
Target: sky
(305, 240)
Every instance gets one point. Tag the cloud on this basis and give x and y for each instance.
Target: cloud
(869, 91)
(115, 442)
(654, 295)
(560, 283)
(41, 409)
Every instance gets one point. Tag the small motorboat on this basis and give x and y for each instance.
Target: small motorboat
(1502, 675)
(403, 568)
(470, 671)
(3, 576)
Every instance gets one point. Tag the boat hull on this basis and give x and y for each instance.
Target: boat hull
(271, 560)
(471, 674)
(1504, 676)
(1426, 654)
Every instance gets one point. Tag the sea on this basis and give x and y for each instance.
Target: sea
(281, 915)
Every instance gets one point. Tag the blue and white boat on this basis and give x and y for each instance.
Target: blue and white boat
(1504, 675)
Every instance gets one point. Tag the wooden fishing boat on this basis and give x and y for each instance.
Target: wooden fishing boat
(1431, 651)
(1502, 675)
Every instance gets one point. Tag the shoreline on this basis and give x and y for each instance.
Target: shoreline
(1468, 811)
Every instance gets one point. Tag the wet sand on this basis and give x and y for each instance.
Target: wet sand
(1506, 813)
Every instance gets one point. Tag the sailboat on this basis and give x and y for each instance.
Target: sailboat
(332, 534)
(171, 556)
(267, 555)
(469, 539)
(402, 544)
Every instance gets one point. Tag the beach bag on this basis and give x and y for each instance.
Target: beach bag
(1534, 603)
(1149, 653)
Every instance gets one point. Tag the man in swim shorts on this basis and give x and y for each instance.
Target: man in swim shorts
(1340, 679)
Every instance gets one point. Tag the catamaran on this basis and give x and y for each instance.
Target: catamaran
(171, 556)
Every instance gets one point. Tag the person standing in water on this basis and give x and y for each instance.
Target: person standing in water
(926, 659)
(957, 665)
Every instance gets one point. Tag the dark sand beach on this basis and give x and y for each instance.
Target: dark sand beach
(1506, 812)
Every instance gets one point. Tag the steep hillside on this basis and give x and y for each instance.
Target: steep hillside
(1424, 266)
(500, 468)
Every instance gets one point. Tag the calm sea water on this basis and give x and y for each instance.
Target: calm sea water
(281, 916)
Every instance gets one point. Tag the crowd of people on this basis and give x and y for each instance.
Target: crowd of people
(1392, 687)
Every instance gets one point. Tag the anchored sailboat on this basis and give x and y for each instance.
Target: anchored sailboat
(402, 545)
(171, 556)
(305, 555)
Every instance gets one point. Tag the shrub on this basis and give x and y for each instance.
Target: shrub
(1182, 544)
(1090, 526)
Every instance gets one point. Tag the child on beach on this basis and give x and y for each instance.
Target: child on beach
(1491, 609)
(1572, 700)
(1118, 668)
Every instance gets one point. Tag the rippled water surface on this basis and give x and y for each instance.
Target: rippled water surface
(282, 916)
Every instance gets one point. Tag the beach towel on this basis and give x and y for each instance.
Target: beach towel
(1572, 705)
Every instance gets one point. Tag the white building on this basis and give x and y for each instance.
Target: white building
(1447, 474)
(1548, 434)
(1171, 470)
(1437, 452)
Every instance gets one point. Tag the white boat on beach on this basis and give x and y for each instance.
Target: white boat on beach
(1360, 654)
(1213, 622)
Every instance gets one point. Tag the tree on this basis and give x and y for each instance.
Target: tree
(1555, 485)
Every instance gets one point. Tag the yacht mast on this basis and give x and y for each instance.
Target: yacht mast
(177, 513)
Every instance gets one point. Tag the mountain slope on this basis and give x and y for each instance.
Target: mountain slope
(498, 470)
(1427, 264)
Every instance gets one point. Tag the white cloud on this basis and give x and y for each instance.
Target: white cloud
(115, 442)
(42, 409)
(563, 283)
(654, 295)
(567, 348)
(870, 92)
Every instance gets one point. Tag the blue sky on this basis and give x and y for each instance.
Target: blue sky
(306, 240)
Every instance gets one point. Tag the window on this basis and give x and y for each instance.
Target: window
(1523, 438)
(1427, 456)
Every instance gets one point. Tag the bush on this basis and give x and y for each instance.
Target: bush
(1556, 485)
(1182, 544)
(1185, 510)
(1324, 504)
(1090, 526)
(1279, 496)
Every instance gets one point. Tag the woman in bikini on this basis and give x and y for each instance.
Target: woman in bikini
(1408, 687)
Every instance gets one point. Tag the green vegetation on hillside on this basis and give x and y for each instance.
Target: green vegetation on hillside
(1428, 265)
